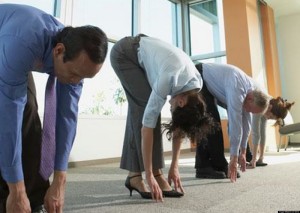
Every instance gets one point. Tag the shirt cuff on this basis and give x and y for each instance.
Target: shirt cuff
(234, 151)
(61, 162)
(13, 174)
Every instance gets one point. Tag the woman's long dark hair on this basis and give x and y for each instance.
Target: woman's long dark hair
(280, 109)
(191, 120)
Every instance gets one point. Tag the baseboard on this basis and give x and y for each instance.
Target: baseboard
(93, 162)
(294, 144)
(112, 160)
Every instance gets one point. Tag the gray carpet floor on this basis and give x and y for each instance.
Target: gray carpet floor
(273, 188)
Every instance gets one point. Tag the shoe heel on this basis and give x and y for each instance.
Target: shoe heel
(145, 195)
(128, 186)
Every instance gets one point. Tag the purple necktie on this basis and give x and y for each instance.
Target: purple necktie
(49, 124)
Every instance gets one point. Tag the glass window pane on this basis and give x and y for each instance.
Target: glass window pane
(103, 94)
(222, 60)
(113, 17)
(157, 19)
(45, 5)
(207, 27)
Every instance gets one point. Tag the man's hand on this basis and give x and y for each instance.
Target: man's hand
(232, 168)
(253, 162)
(242, 162)
(55, 196)
(17, 200)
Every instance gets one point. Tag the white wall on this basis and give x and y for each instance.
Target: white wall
(102, 138)
(288, 41)
(98, 138)
(271, 141)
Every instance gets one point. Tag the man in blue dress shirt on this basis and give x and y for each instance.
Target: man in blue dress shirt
(32, 40)
(231, 88)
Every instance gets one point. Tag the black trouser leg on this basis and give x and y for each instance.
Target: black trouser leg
(210, 151)
(248, 153)
(36, 187)
(3, 195)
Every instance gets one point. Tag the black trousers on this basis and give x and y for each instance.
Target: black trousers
(210, 151)
(36, 187)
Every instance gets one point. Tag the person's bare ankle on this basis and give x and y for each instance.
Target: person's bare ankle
(163, 183)
(260, 160)
(137, 181)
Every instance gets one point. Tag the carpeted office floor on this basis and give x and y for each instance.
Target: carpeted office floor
(269, 189)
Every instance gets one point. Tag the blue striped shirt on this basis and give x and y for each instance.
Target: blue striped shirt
(230, 85)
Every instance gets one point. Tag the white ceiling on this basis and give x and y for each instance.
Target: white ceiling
(284, 7)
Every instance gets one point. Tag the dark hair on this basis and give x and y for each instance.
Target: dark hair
(280, 108)
(191, 120)
(88, 38)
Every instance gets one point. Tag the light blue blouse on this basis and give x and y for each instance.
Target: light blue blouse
(169, 70)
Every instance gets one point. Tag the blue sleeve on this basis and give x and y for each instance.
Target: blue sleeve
(247, 120)
(15, 62)
(235, 120)
(66, 123)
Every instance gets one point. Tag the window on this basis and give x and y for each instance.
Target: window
(207, 34)
(45, 5)
(157, 19)
(207, 29)
(103, 94)
(113, 17)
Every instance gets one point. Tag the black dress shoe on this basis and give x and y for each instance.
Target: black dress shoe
(238, 175)
(172, 193)
(209, 173)
(39, 209)
(261, 163)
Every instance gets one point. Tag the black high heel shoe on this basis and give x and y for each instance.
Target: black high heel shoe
(171, 193)
(145, 195)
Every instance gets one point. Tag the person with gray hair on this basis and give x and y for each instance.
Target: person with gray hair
(229, 87)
